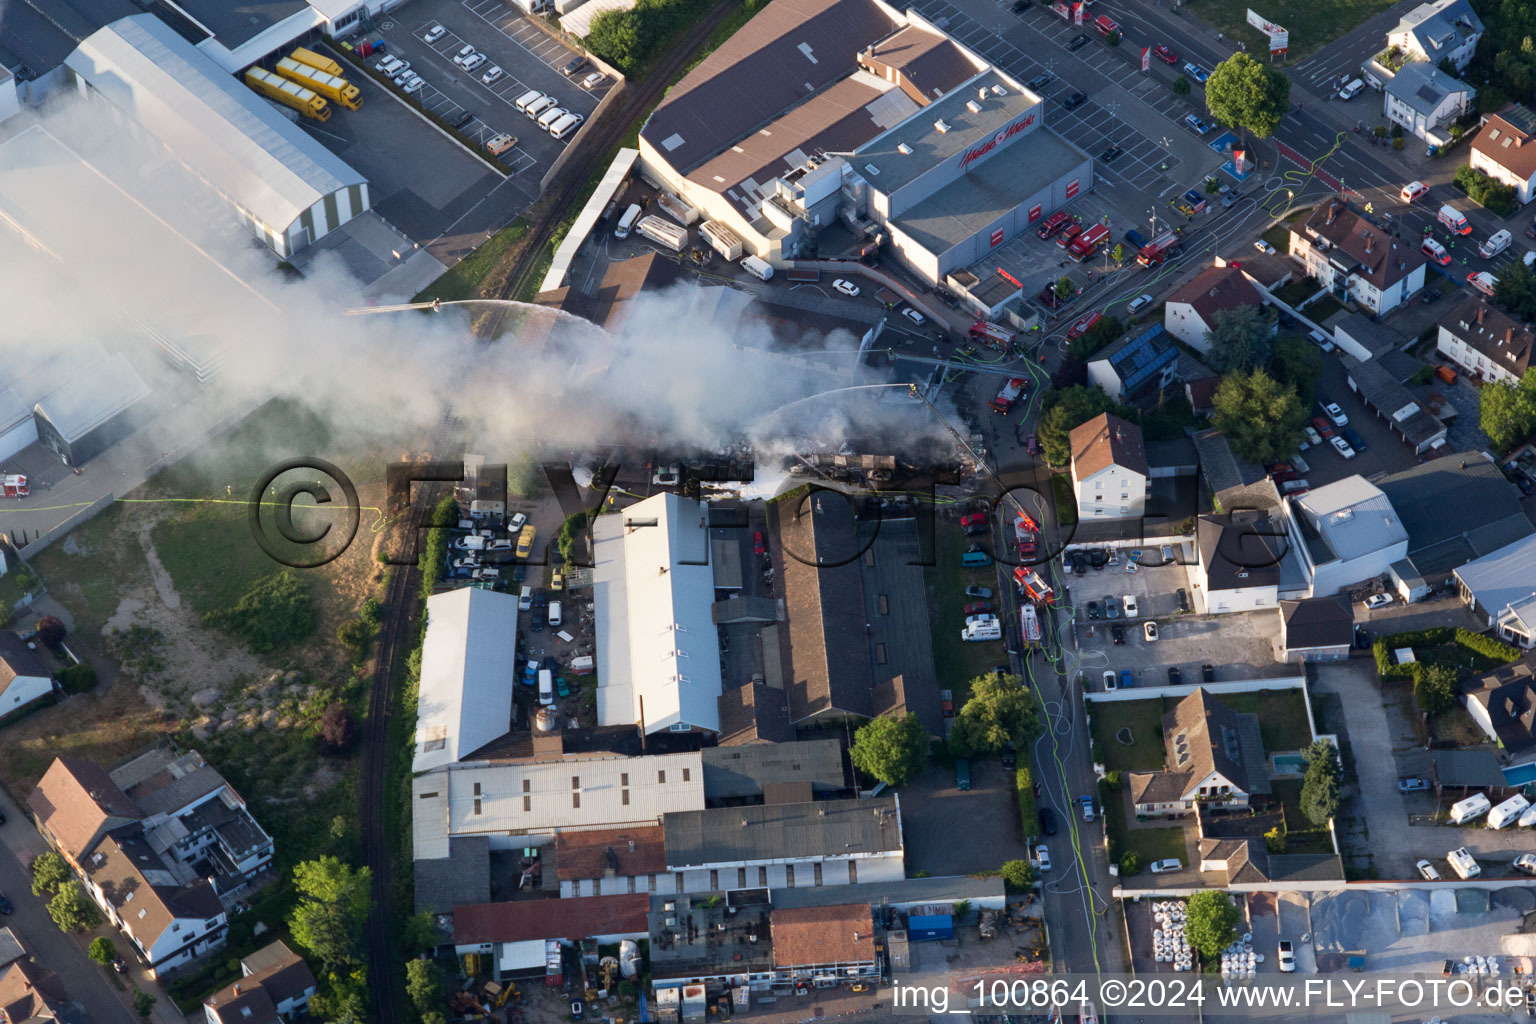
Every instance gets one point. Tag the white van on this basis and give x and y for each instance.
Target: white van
(582, 665)
(627, 221)
(538, 106)
(758, 268)
(1508, 811)
(546, 686)
(977, 632)
(526, 99)
(389, 67)
(1472, 807)
(1463, 864)
(525, 598)
(554, 613)
(1497, 243)
(566, 125)
(550, 116)
(1351, 90)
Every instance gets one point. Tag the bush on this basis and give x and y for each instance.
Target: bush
(572, 531)
(1029, 817)
(337, 730)
(1018, 875)
(79, 678)
(1130, 864)
(50, 631)
(1180, 87)
(1487, 646)
(1114, 781)
(274, 613)
(1494, 196)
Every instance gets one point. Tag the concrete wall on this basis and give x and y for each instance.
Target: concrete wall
(81, 517)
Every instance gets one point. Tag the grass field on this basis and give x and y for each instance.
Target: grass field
(955, 661)
(1301, 835)
(210, 558)
(463, 279)
(1144, 720)
(1312, 23)
(1282, 716)
(1149, 844)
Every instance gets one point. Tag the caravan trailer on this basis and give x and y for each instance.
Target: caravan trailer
(1472, 807)
(1508, 811)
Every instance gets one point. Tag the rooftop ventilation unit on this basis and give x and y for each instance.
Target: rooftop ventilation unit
(973, 106)
(903, 149)
(941, 126)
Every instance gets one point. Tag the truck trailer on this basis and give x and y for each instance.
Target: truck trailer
(332, 87)
(289, 94)
(663, 232)
(722, 239)
(316, 61)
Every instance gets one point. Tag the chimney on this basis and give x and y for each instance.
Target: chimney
(1370, 243)
(1333, 210)
(1480, 311)
(1509, 335)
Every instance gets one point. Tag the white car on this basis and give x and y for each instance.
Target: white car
(594, 80)
(914, 316)
(413, 86)
(668, 476)
(1336, 414)
(1526, 862)
(847, 288)
(1286, 955)
(403, 75)
(1427, 870)
(1342, 446)
(465, 53)
(492, 75)
(1378, 601)
(1529, 259)
(434, 33)
(1109, 680)
(1264, 247)
(1313, 437)
(516, 522)
(474, 62)
(981, 620)
(466, 563)
(1130, 606)
(1043, 855)
(1160, 867)
(1139, 303)
(1149, 630)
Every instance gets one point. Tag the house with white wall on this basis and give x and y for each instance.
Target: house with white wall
(1505, 149)
(1190, 312)
(1238, 568)
(1485, 343)
(1109, 468)
(23, 676)
(1441, 30)
(274, 988)
(1346, 533)
(1426, 101)
(1355, 259)
(1214, 757)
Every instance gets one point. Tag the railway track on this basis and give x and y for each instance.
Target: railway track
(594, 149)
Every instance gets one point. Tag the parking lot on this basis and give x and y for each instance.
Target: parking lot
(934, 812)
(1385, 452)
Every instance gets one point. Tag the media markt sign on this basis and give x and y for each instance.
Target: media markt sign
(1279, 38)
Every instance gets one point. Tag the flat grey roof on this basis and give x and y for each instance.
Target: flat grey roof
(930, 147)
(967, 205)
(900, 893)
(235, 24)
(94, 397)
(1504, 577)
(781, 831)
(742, 771)
(41, 33)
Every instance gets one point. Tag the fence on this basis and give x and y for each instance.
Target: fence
(603, 106)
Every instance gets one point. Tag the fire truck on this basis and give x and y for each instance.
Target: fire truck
(991, 334)
(1159, 249)
(1034, 586)
(1087, 243)
(1029, 624)
(15, 486)
(1027, 533)
(1010, 393)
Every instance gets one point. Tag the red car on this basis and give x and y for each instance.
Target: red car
(1032, 444)
(759, 546)
(1322, 426)
(1054, 223)
(1106, 25)
(978, 608)
(1165, 55)
(974, 519)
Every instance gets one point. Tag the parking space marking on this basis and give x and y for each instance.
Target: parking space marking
(538, 51)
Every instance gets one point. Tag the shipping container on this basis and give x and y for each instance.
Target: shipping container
(663, 232)
(930, 928)
(721, 239)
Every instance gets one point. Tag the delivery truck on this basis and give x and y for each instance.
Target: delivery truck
(332, 87)
(721, 239)
(1474, 806)
(663, 232)
(317, 61)
(758, 268)
(289, 94)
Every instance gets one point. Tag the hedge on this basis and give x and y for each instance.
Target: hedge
(1029, 818)
(1438, 636)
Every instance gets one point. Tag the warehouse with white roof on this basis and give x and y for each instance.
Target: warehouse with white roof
(658, 652)
(468, 668)
(286, 187)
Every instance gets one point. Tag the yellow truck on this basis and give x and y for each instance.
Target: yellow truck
(338, 90)
(289, 94)
(316, 60)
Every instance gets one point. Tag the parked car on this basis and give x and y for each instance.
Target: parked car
(1047, 821)
(1077, 42)
(1355, 440)
(1131, 611)
(1197, 72)
(1526, 862)
(1175, 677)
(1322, 426)
(1127, 679)
(1117, 632)
(1139, 303)
(1160, 867)
(1086, 803)
(978, 608)
(981, 592)
(1040, 81)
(1378, 601)
(516, 522)
(1111, 154)
(1043, 855)
(845, 287)
(974, 519)
(573, 65)
(433, 34)
(594, 80)
(1428, 872)
(1285, 954)
(1208, 673)
(1264, 247)
(911, 314)
(1111, 608)
(1110, 680)
(1165, 55)
(1334, 413)
(1196, 125)
(1342, 447)
(465, 52)
(1074, 101)
(1094, 611)
(5, 904)
(1149, 630)
(492, 75)
(465, 116)
(474, 62)
(1313, 437)
(1183, 596)
(1412, 785)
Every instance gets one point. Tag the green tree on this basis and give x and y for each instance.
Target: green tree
(143, 1003)
(1320, 784)
(102, 951)
(1297, 363)
(1018, 875)
(1246, 94)
(1096, 337)
(1130, 863)
(1211, 922)
(418, 934)
(891, 748)
(1181, 87)
(1435, 689)
(424, 985)
(1239, 340)
(1000, 711)
(962, 909)
(334, 899)
(1119, 253)
(1507, 412)
(341, 1000)
(1065, 287)
(1274, 839)
(1516, 290)
(49, 871)
(1261, 418)
(616, 37)
(72, 910)
(1069, 408)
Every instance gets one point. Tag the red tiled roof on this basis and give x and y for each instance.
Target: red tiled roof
(637, 851)
(76, 800)
(1218, 288)
(1508, 146)
(822, 935)
(576, 917)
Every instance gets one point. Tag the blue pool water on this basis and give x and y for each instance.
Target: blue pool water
(1293, 764)
(1521, 774)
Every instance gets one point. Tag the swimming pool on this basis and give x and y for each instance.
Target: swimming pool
(1521, 774)
(1295, 764)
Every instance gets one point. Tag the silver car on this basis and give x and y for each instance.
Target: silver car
(1139, 303)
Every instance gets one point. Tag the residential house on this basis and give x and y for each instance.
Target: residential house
(1315, 629)
(23, 676)
(1500, 588)
(1383, 392)
(1239, 563)
(11, 949)
(1441, 30)
(653, 586)
(468, 667)
(1109, 468)
(1346, 532)
(1357, 260)
(1503, 704)
(1425, 100)
(1213, 756)
(161, 844)
(1190, 313)
(1503, 150)
(1486, 343)
(274, 987)
(1485, 511)
(1245, 864)
(1136, 363)
(29, 994)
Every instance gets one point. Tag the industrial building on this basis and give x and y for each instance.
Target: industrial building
(92, 411)
(467, 668)
(859, 113)
(286, 188)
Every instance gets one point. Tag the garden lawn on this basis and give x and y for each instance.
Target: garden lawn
(1150, 844)
(1312, 23)
(1144, 720)
(1282, 716)
(955, 661)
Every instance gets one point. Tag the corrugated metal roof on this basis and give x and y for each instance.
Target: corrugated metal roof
(1503, 578)
(1353, 517)
(468, 668)
(228, 135)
